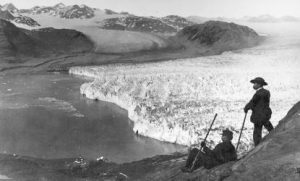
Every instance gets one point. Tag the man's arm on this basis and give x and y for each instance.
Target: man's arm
(208, 151)
(251, 104)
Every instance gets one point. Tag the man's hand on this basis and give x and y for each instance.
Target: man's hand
(245, 110)
(203, 144)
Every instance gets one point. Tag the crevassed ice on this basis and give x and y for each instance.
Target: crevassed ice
(175, 101)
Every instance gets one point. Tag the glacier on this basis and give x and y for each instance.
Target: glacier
(175, 101)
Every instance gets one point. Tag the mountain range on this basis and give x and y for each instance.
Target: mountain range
(63, 11)
(106, 19)
(109, 19)
(251, 19)
(11, 13)
(168, 24)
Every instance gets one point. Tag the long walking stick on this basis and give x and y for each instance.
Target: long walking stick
(237, 146)
(196, 158)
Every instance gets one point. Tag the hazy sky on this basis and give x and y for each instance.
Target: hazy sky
(210, 8)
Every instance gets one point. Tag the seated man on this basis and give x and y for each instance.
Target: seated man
(223, 152)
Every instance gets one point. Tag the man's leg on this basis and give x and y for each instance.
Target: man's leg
(193, 153)
(199, 162)
(268, 125)
(257, 133)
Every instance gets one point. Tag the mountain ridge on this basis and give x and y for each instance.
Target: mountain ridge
(43, 41)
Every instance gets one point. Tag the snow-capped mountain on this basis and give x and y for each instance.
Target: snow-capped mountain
(109, 19)
(76, 11)
(136, 23)
(109, 11)
(262, 18)
(176, 21)
(63, 11)
(13, 16)
(9, 7)
(252, 19)
(59, 6)
(271, 19)
(26, 20)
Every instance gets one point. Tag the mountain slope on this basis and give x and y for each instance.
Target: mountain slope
(219, 35)
(42, 41)
(135, 23)
(17, 18)
(168, 24)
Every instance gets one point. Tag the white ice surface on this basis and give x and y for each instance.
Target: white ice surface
(175, 101)
(106, 41)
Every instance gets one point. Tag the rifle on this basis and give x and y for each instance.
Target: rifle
(196, 158)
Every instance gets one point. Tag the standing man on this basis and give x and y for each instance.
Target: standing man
(261, 112)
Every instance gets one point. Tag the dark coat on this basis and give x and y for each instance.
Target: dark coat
(260, 106)
(223, 152)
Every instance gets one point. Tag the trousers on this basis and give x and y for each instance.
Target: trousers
(258, 130)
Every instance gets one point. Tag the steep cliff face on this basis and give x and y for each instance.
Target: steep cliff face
(41, 42)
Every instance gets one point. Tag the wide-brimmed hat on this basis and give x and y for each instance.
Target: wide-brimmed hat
(227, 133)
(259, 80)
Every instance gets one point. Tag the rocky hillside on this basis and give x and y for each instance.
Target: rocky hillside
(13, 16)
(176, 21)
(219, 35)
(39, 42)
(168, 24)
(276, 159)
(9, 7)
(135, 23)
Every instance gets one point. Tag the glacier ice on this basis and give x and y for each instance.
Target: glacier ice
(176, 100)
